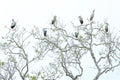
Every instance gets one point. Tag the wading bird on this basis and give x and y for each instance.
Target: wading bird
(54, 20)
(44, 31)
(76, 34)
(106, 27)
(92, 15)
(80, 19)
(13, 24)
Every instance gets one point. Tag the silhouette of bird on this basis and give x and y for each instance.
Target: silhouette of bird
(80, 19)
(76, 34)
(106, 27)
(44, 32)
(54, 20)
(13, 24)
(92, 15)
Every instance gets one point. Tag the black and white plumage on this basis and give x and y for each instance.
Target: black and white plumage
(54, 20)
(92, 15)
(76, 34)
(45, 32)
(106, 27)
(13, 24)
(80, 19)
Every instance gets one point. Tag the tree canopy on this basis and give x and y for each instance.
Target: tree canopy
(55, 53)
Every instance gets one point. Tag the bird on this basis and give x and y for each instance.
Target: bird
(92, 15)
(44, 32)
(13, 24)
(80, 19)
(106, 27)
(54, 20)
(76, 34)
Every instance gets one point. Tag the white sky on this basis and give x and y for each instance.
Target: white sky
(39, 12)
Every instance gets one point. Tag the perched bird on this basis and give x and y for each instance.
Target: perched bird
(80, 19)
(54, 20)
(92, 15)
(106, 27)
(13, 24)
(76, 34)
(44, 32)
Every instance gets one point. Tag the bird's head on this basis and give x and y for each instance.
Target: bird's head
(107, 24)
(93, 10)
(79, 17)
(55, 17)
(12, 19)
(44, 29)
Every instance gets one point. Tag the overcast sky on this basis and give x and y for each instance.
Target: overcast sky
(39, 12)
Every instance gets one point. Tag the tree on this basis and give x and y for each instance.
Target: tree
(66, 53)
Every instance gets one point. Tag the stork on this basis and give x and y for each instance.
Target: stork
(106, 27)
(54, 20)
(92, 15)
(45, 32)
(80, 19)
(76, 34)
(13, 24)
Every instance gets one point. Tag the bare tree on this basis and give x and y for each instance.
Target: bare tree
(65, 50)
(20, 50)
(93, 40)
